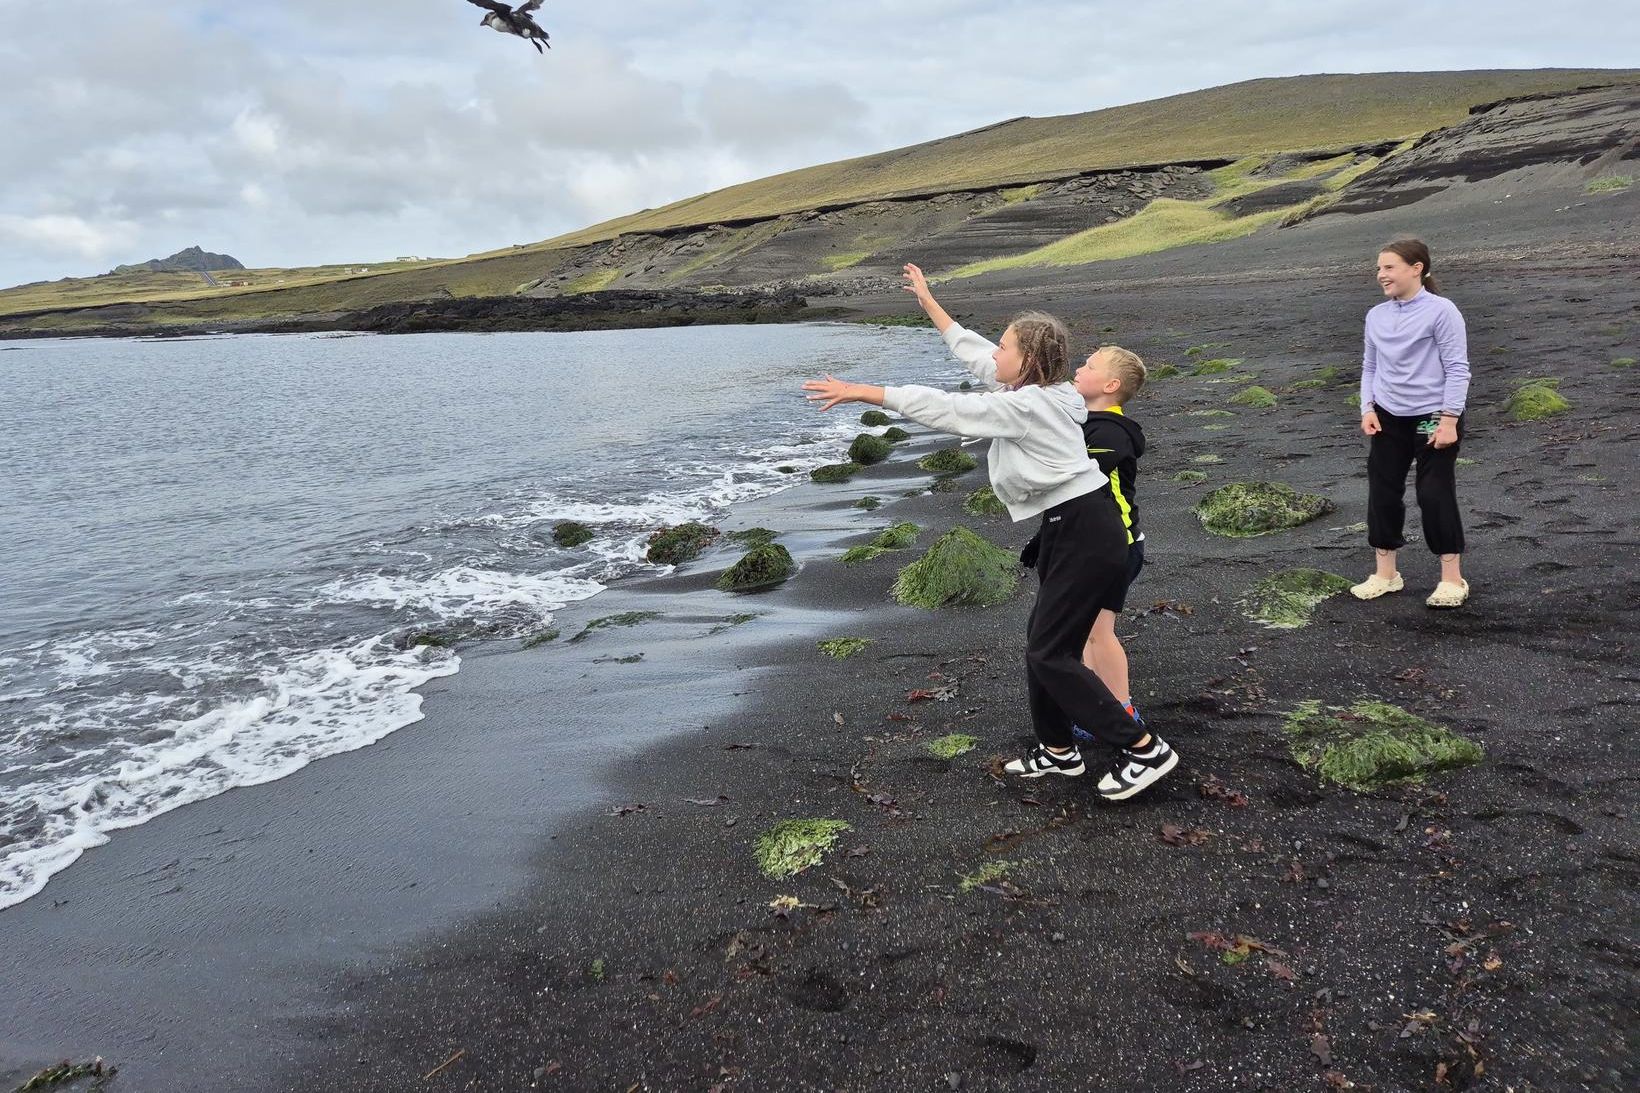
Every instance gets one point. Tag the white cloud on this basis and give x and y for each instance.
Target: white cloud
(68, 236)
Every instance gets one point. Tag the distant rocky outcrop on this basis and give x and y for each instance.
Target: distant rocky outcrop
(191, 260)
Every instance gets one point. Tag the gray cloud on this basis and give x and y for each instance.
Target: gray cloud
(303, 131)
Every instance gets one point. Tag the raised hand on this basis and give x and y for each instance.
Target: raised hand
(829, 392)
(916, 283)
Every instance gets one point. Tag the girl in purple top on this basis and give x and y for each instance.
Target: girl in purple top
(1414, 381)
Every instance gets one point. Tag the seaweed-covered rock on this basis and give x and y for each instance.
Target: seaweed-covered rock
(625, 618)
(1287, 600)
(762, 567)
(1373, 744)
(835, 472)
(1161, 372)
(843, 648)
(1216, 366)
(1536, 400)
(894, 537)
(791, 846)
(875, 418)
(894, 434)
(984, 502)
(753, 536)
(541, 637)
(947, 461)
(1259, 398)
(1190, 477)
(869, 448)
(675, 545)
(960, 568)
(1245, 509)
(869, 502)
(570, 533)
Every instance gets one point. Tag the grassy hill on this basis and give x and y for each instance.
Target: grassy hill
(1236, 122)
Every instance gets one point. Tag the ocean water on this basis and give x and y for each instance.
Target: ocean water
(217, 550)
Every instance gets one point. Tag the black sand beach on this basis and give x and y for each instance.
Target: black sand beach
(550, 882)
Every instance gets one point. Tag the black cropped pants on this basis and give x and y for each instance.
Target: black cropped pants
(1393, 452)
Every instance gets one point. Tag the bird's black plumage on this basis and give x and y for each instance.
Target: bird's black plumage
(518, 20)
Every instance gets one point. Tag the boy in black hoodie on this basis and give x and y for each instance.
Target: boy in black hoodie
(1110, 378)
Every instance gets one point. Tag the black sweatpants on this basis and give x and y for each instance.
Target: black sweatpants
(1082, 556)
(1393, 451)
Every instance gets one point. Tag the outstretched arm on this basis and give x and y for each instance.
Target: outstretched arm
(831, 391)
(916, 283)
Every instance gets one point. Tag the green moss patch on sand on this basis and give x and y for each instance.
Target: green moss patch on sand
(625, 618)
(1287, 600)
(1537, 399)
(1210, 413)
(959, 569)
(676, 545)
(1610, 184)
(988, 873)
(1205, 349)
(1208, 459)
(753, 536)
(894, 537)
(875, 418)
(1161, 372)
(1372, 744)
(762, 567)
(791, 846)
(868, 448)
(894, 434)
(1242, 510)
(1190, 477)
(1215, 366)
(1256, 397)
(834, 472)
(1623, 362)
(541, 637)
(569, 533)
(984, 502)
(947, 461)
(952, 745)
(870, 502)
(843, 648)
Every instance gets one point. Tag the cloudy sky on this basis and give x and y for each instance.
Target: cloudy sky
(294, 132)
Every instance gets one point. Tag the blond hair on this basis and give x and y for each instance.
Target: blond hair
(1126, 367)
(1044, 349)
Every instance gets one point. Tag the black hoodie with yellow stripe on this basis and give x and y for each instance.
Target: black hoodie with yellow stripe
(1115, 441)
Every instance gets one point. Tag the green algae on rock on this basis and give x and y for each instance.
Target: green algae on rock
(947, 461)
(1259, 398)
(763, 566)
(541, 637)
(1537, 399)
(834, 472)
(791, 846)
(895, 537)
(753, 536)
(843, 648)
(1189, 477)
(894, 434)
(571, 533)
(869, 502)
(875, 418)
(952, 745)
(1242, 510)
(675, 545)
(1287, 600)
(984, 502)
(625, 618)
(960, 568)
(1373, 744)
(1216, 366)
(1161, 372)
(869, 448)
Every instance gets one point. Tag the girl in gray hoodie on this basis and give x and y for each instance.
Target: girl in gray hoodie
(1040, 470)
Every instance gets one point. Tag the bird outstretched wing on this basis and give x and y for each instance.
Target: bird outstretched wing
(494, 5)
(528, 6)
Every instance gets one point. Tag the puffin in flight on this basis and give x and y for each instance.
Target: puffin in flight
(510, 20)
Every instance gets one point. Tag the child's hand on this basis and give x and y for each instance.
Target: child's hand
(916, 283)
(1369, 423)
(829, 392)
(1445, 434)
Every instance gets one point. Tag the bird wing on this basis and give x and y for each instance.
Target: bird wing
(494, 5)
(528, 6)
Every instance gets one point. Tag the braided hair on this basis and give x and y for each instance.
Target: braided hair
(1044, 349)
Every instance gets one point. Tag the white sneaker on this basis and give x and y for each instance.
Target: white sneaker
(1448, 594)
(1040, 761)
(1375, 586)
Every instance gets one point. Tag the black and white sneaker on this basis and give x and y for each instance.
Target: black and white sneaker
(1041, 761)
(1136, 770)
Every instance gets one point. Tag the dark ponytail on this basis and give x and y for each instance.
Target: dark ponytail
(1413, 251)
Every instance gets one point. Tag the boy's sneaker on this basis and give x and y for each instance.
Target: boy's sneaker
(1083, 736)
(1040, 761)
(1135, 770)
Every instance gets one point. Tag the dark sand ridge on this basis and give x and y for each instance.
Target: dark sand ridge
(935, 981)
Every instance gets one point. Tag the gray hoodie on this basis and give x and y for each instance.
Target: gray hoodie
(1038, 458)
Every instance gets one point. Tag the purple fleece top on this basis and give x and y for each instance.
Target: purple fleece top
(1416, 357)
